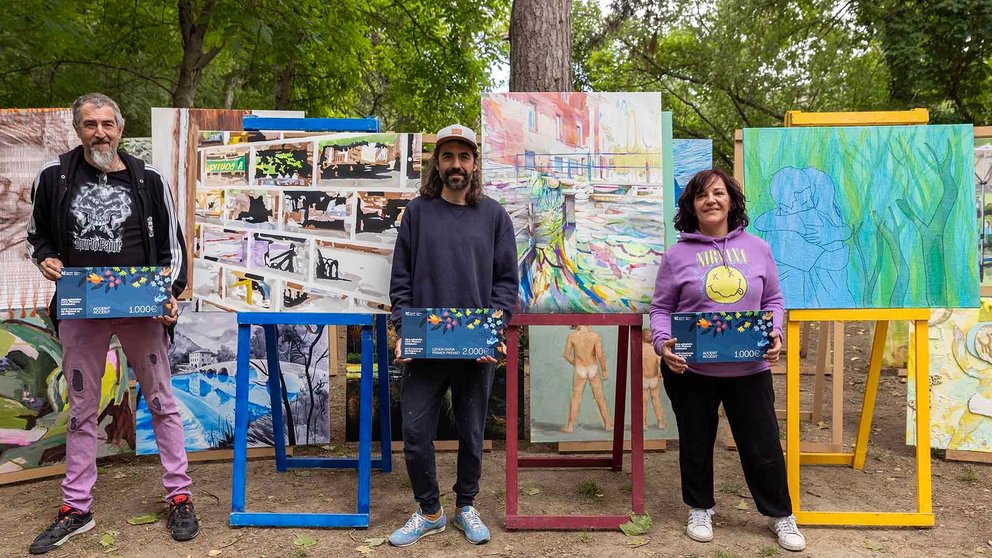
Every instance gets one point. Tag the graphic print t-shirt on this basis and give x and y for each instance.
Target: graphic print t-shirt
(103, 221)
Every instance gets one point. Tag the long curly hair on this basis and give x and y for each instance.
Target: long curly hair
(685, 217)
(431, 188)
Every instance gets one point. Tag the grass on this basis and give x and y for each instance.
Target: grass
(585, 536)
(724, 554)
(589, 489)
(968, 475)
(499, 494)
(627, 488)
(768, 551)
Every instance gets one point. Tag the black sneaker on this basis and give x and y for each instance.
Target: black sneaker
(182, 518)
(68, 524)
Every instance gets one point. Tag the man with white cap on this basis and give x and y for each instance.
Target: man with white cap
(455, 249)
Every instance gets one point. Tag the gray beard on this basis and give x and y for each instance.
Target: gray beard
(102, 160)
(461, 186)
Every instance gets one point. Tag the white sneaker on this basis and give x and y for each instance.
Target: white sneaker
(700, 526)
(788, 533)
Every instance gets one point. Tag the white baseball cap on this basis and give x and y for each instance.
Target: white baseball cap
(456, 132)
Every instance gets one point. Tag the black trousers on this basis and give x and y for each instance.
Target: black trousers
(749, 403)
(423, 388)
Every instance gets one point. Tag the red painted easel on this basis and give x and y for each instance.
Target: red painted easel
(628, 343)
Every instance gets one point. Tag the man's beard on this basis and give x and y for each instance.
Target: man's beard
(456, 186)
(102, 159)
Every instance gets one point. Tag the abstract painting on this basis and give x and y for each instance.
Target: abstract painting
(28, 140)
(257, 209)
(983, 193)
(571, 401)
(280, 253)
(204, 372)
(359, 158)
(224, 245)
(34, 405)
(866, 217)
(690, 156)
(352, 268)
(249, 291)
(227, 166)
(326, 213)
(581, 175)
(379, 214)
(288, 164)
(960, 380)
(209, 206)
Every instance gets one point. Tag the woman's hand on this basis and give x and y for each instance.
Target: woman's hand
(771, 355)
(399, 360)
(674, 362)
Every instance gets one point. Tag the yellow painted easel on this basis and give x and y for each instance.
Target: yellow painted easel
(923, 516)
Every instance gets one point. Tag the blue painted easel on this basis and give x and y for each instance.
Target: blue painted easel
(364, 462)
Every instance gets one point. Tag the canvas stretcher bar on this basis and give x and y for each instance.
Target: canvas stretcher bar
(630, 330)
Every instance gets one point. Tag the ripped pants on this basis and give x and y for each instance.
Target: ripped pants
(85, 344)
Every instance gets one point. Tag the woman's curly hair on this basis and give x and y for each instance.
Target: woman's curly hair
(685, 217)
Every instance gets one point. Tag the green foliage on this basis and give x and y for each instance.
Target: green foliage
(638, 525)
(968, 475)
(590, 489)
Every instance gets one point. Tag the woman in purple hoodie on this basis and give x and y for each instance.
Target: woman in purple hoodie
(718, 267)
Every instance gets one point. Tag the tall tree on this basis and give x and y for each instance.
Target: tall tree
(541, 45)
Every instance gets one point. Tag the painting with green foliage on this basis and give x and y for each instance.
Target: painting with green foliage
(866, 217)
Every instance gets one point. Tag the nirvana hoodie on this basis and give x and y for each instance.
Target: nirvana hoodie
(705, 274)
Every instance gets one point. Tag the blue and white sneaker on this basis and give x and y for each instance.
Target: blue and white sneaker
(468, 520)
(416, 528)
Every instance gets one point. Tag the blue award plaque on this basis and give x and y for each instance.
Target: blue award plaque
(451, 333)
(704, 337)
(112, 292)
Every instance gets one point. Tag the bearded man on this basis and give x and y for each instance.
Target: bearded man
(96, 206)
(455, 249)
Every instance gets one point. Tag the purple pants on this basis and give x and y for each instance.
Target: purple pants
(145, 343)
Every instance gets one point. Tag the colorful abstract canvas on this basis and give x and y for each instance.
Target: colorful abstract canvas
(866, 217)
(288, 164)
(960, 380)
(581, 175)
(571, 401)
(28, 140)
(690, 156)
(34, 398)
(359, 158)
(204, 372)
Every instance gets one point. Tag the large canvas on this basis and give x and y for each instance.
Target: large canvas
(28, 140)
(582, 173)
(960, 380)
(204, 372)
(983, 193)
(303, 236)
(34, 408)
(866, 217)
(554, 381)
(690, 156)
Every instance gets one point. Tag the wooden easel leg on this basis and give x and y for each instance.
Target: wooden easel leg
(822, 350)
(837, 412)
(804, 339)
(871, 392)
(619, 407)
(792, 413)
(924, 486)
(512, 354)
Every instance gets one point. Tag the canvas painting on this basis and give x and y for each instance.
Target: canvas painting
(866, 217)
(573, 386)
(227, 166)
(34, 393)
(960, 380)
(207, 282)
(28, 140)
(983, 193)
(581, 174)
(288, 164)
(204, 372)
(314, 237)
(690, 156)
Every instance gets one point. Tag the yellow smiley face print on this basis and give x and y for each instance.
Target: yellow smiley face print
(725, 284)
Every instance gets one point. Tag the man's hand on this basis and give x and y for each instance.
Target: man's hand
(771, 355)
(674, 362)
(397, 353)
(491, 359)
(51, 268)
(171, 315)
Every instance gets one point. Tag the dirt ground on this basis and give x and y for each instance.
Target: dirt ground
(129, 487)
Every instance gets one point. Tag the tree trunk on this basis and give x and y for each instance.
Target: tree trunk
(193, 28)
(230, 83)
(541, 45)
(284, 85)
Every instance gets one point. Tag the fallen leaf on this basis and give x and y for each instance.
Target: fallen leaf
(532, 491)
(304, 541)
(821, 425)
(742, 505)
(109, 539)
(635, 542)
(364, 550)
(143, 519)
(638, 525)
(376, 541)
(874, 546)
(213, 553)
(121, 475)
